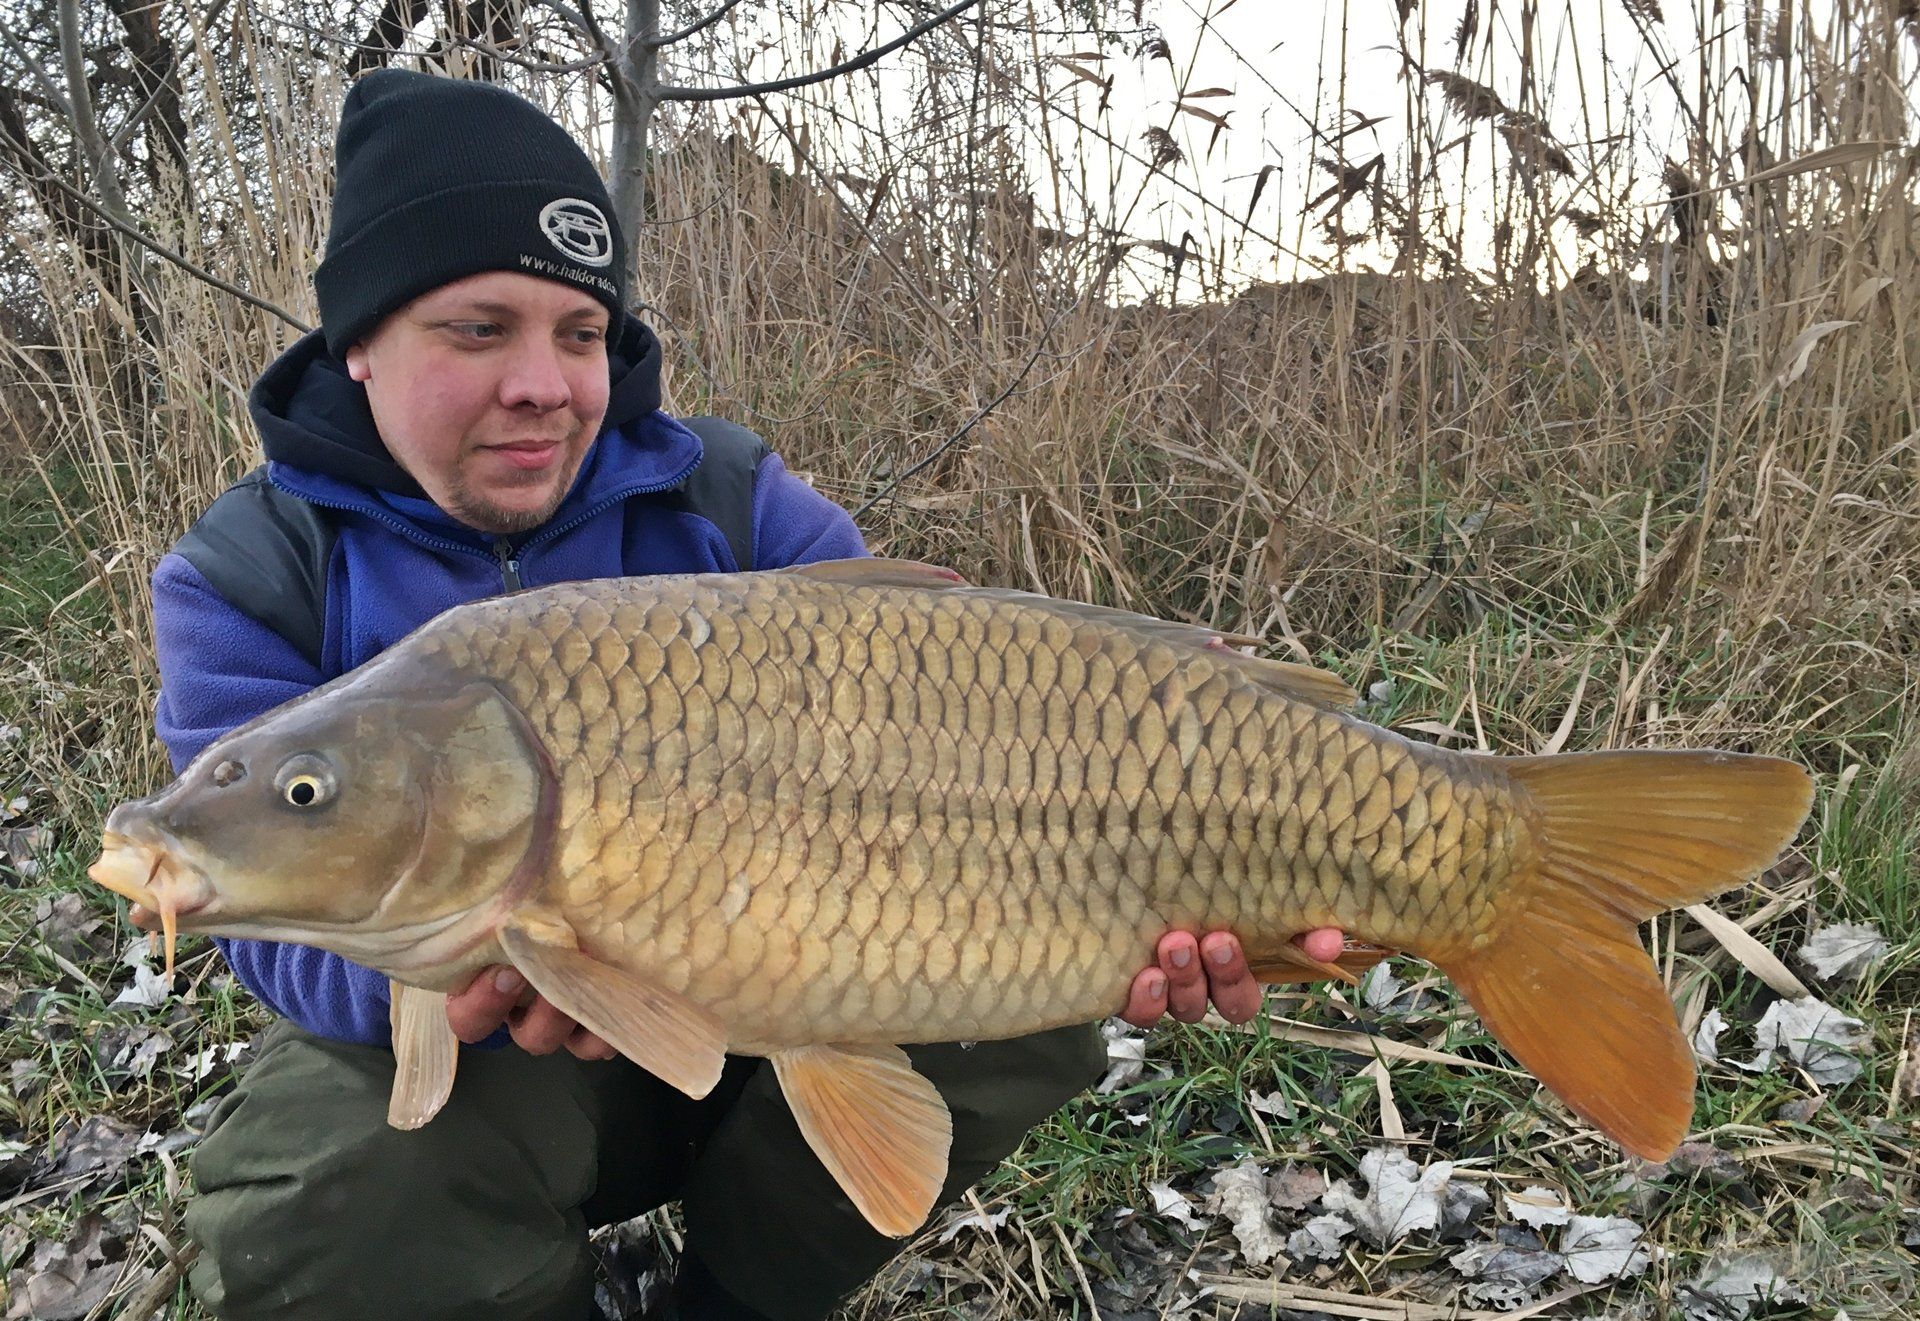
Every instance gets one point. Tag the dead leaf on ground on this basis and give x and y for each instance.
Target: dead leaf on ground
(21, 847)
(148, 989)
(1502, 1276)
(1126, 1056)
(96, 1149)
(1705, 1161)
(1295, 1187)
(20, 1166)
(1538, 1207)
(1240, 1194)
(68, 1280)
(1319, 1239)
(127, 1053)
(1400, 1196)
(1599, 1248)
(1729, 1287)
(1379, 988)
(1465, 1204)
(1172, 1205)
(1844, 951)
(1818, 1037)
(67, 926)
(984, 1221)
(1799, 1111)
(1274, 1105)
(1706, 1037)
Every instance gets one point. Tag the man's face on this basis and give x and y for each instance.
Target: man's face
(489, 391)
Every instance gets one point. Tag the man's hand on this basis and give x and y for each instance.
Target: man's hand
(1192, 972)
(501, 995)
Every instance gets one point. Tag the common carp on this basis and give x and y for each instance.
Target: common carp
(813, 813)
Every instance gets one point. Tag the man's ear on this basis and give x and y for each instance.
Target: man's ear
(357, 365)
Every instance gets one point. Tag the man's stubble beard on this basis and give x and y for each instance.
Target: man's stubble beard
(481, 514)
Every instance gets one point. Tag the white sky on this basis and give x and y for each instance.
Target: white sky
(1609, 87)
(1287, 68)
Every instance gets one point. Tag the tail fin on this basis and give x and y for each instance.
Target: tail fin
(1565, 984)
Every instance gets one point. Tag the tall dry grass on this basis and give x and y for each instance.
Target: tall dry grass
(1618, 474)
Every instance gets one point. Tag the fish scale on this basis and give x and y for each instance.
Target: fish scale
(942, 785)
(814, 813)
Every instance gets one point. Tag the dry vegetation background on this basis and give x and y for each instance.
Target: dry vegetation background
(1571, 441)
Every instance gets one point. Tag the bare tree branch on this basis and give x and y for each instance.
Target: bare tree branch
(40, 75)
(854, 65)
(673, 38)
(492, 51)
(396, 19)
(583, 20)
(153, 245)
(18, 149)
(156, 75)
(101, 164)
(125, 131)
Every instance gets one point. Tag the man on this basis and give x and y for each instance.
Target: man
(478, 413)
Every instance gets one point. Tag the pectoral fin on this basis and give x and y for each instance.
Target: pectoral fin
(662, 1031)
(425, 1052)
(880, 1128)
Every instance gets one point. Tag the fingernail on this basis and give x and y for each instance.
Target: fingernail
(1156, 986)
(509, 982)
(1182, 957)
(1223, 954)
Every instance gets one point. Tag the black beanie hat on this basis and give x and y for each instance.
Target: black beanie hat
(437, 179)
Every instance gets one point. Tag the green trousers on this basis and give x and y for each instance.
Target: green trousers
(310, 1206)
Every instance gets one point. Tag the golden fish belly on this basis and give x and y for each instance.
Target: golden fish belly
(881, 814)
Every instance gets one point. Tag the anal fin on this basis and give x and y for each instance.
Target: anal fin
(880, 1128)
(680, 1042)
(1285, 963)
(425, 1054)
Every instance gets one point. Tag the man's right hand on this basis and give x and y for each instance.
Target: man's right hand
(501, 995)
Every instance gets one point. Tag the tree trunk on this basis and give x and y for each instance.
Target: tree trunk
(93, 240)
(389, 30)
(156, 72)
(635, 85)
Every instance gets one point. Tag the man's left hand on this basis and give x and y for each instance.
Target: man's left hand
(1191, 972)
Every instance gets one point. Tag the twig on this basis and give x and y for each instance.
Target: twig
(854, 65)
(693, 30)
(489, 49)
(1073, 1260)
(150, 1296)
(980, 416)
(161, 249)
(40, 75)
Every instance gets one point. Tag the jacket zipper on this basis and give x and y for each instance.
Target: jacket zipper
(509, 565)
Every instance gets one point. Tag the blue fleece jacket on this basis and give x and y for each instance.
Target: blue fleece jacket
(398, 560)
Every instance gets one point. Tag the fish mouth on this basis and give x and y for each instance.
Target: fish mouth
(155, 879)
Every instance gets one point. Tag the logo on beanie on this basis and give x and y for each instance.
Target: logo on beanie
(579, 229)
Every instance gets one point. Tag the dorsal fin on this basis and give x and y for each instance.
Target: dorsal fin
(876, 572)
(1301, 682)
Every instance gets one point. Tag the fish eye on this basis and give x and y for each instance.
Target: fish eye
(305, 781)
